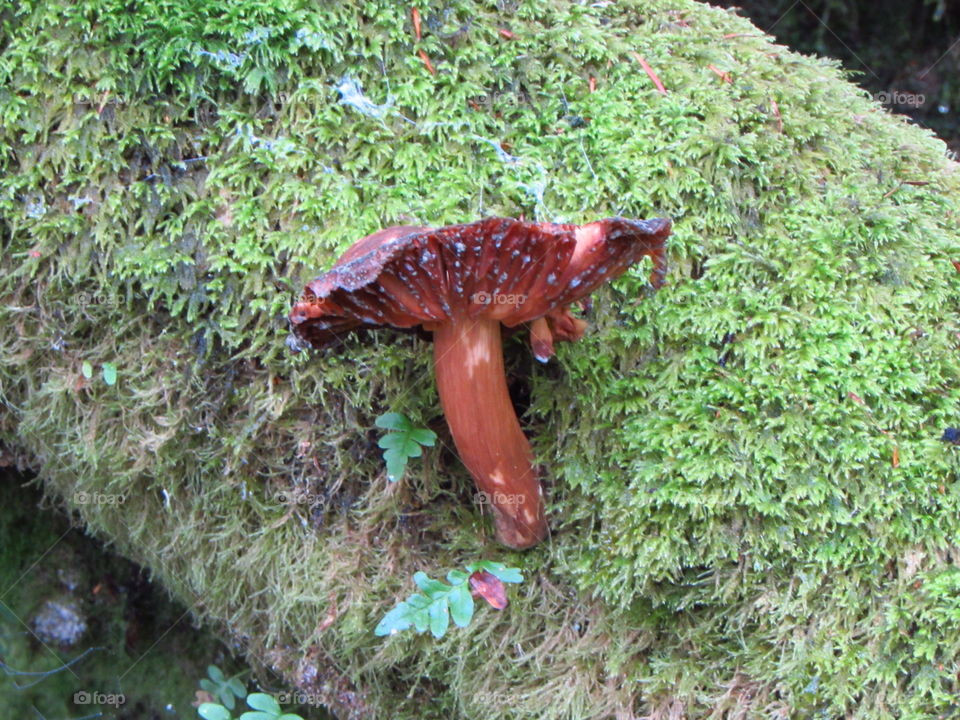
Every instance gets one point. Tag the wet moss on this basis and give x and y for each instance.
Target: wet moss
(750, 503)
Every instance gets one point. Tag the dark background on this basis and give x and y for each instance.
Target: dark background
(893, 48)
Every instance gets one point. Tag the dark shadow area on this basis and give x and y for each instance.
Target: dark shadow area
(84, 633)
(906, 54)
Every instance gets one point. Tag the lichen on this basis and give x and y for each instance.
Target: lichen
(749, 501)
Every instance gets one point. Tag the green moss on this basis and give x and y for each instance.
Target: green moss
(729, 525)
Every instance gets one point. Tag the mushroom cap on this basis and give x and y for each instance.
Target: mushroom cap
(500, 268)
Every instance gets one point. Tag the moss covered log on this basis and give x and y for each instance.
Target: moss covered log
(751, 507)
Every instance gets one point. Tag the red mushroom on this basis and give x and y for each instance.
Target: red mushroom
(461, 282)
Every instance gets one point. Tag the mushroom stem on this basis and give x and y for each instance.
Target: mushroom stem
(468, 361)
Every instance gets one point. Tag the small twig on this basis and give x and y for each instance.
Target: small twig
(915, 183)
(415, 14)
(426, 61)
(776, 114)
(103, 102)
(723, 75)
(649, 70)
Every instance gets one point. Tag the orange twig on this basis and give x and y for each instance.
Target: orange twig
(915, 183)
(426, 61)
(103, 102)
(650, 73)
(506, 34)
(415, 14)
(776, 113)
(725, 76)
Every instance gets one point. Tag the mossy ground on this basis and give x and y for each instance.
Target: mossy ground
(752, 511)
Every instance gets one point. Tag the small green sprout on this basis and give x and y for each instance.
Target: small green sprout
(266, 707)
(263, 706)
(439, 602)
(403, 442)
(109, 372)
(222, 688)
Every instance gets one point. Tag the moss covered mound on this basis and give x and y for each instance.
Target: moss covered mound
(752, 510)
